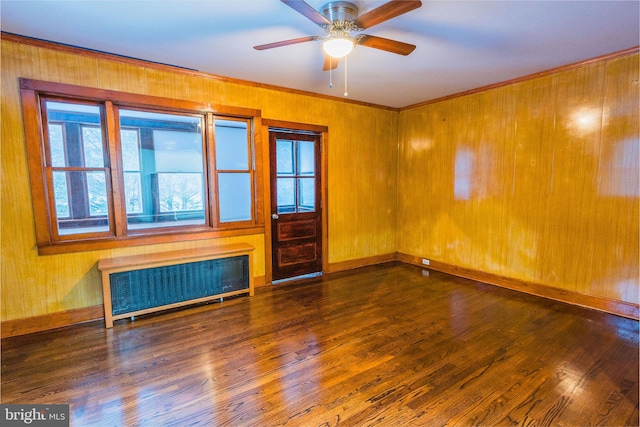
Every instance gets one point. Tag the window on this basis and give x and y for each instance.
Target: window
(114, 167)
(164, 169)
(76, 165)
(233, 168)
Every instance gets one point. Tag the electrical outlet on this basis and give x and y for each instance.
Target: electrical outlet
(425, 261)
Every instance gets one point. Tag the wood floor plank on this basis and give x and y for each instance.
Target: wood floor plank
(385, 345)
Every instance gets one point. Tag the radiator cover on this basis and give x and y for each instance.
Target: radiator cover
(146, 288)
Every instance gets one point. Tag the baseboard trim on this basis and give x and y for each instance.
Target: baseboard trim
(60, 319)
(259, 281)
(28, 325)
(619, 308)
(360, 262)
(11, 328)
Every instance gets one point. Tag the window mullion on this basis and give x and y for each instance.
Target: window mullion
(115, 170)
(214, 216)
(251, 148)
(53, 224)
(79, 201)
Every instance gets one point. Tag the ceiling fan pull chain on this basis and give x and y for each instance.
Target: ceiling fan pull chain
(346, 93)
(330, 76)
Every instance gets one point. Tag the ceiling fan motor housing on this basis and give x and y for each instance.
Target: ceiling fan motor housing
(339, 11)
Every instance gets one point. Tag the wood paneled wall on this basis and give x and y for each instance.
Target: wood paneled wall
(535, 181)
(362, 156)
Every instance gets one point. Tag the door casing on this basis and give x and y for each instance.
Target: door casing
(274, 126)
(296, 228)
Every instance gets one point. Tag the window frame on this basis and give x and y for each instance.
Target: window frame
(251, 164)
(49, 169)
(159, 229)
(35, 93)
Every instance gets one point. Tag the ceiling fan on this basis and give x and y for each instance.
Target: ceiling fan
(339, 19)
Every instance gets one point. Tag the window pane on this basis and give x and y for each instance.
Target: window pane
(56, 145)
(177, 151)
(286, 195)
(67, 123)
(307, 194)
(180, 192)
(284, 157)
(87, 207)
(232, 145)
(306, 158)
(132, 192)
(129, 142)
(164, 169)
(235, 196)
(92, 147)
(61, 194)
(97, 192)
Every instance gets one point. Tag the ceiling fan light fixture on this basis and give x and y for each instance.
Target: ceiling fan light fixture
(338, 45)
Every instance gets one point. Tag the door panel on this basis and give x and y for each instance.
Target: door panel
(296, 230)
(296, 216)
(288, 256)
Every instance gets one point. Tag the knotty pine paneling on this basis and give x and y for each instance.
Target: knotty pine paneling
(536, 181)
(362, 186)
(361, 160)
(55, 65)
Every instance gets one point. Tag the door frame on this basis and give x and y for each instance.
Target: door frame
(267, 125)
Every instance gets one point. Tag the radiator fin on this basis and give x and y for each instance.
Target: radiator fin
(153, 287)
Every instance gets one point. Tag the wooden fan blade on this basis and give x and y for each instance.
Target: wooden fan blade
(286, 42)
(330, 63)
(307, 11)
(389, 45)
(386, 11)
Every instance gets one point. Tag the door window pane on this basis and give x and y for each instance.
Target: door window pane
(235, 196)
(286, 190)
(306, 158)
(232, 148)
(306, 194)
(284, 157)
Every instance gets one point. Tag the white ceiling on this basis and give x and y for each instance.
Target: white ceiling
(461, 45)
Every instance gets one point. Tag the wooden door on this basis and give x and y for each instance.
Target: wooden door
(296, 204)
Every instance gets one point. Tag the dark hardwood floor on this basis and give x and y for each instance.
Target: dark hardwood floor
(388, 345)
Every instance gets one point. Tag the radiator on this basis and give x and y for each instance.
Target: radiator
(148, 283)
(154, 287)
